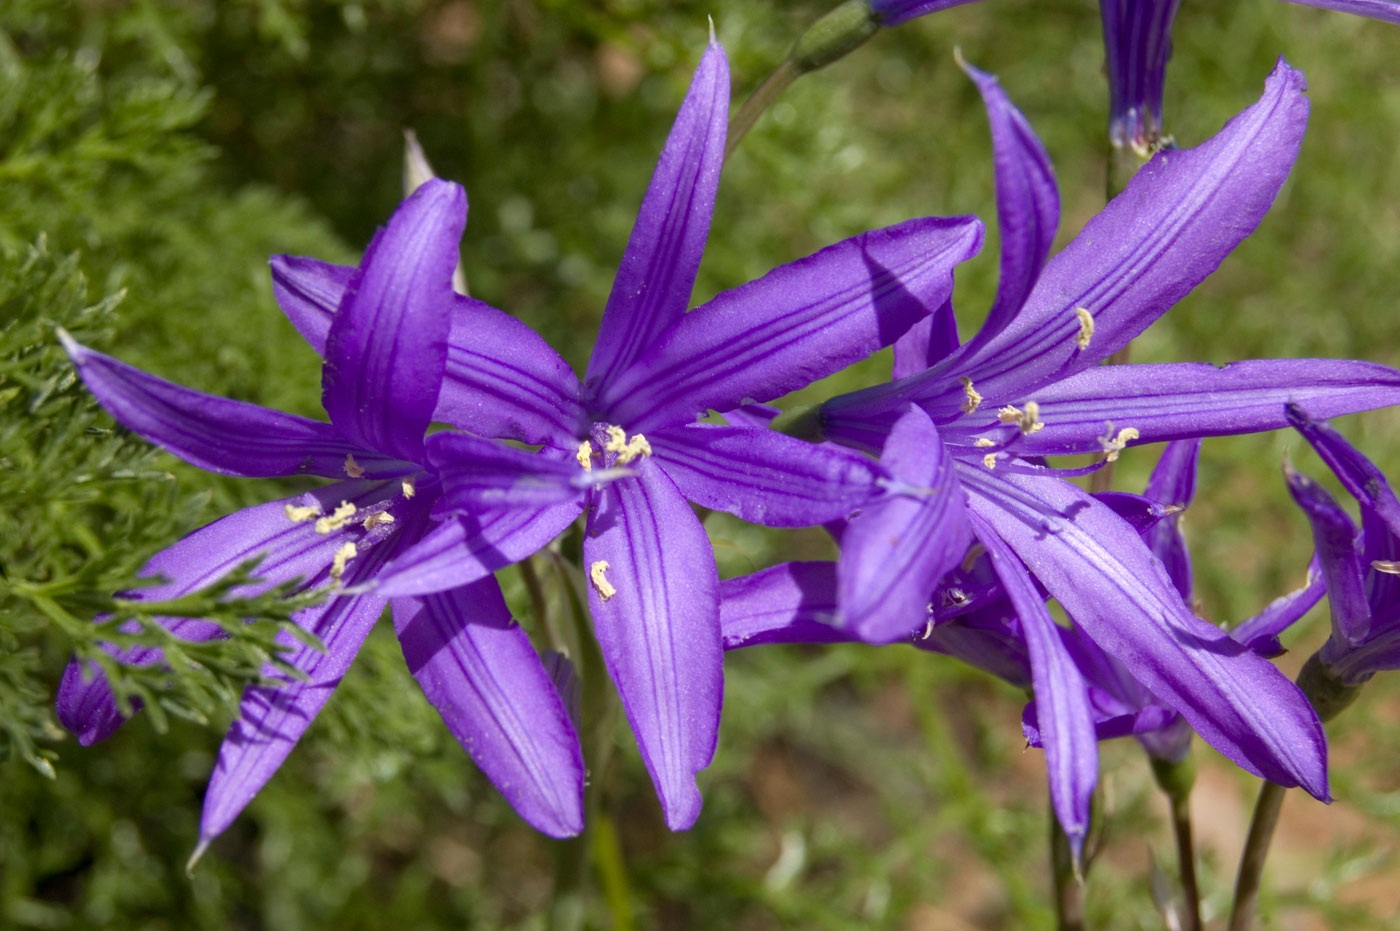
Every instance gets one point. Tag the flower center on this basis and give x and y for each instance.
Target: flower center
(612, 444)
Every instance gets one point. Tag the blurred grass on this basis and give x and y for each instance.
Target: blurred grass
(853, 788)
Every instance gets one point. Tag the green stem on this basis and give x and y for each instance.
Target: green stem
(761, 99)
(1175, 781)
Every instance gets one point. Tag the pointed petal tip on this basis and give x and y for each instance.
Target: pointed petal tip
(195, 857)
(75, 349)
(681, 805)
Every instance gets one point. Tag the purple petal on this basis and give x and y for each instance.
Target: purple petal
(1141, 513)
(894, 12)
(1028, 203)
(752, 415)
(1098, 568)
(1180, 400)
(764, 477)
(387, 345)
(1339, 556)
(289, 550)
(219, 434)
(989, 639)
(1066, 720)
(1358, 475)
(1387, 10)
(796, 324)
(502, 379)
(1173, 482)
(1137, 37)
(895, 550)
(655, 603)
(794, 602)
(481, 474)
(477, 667)
(467, 547)
(927, 342)
(653, 283)
(1260, 633)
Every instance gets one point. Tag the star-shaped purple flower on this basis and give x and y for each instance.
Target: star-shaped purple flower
(386, 351)
(623, 444)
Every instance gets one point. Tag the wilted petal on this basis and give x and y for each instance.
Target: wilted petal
(481, 474)
(794, 602)
(288, 550)
(387, 345)
(897, 548)
(1339, 556)
(1358, 475)
(653, 283)
(219, 434)
(796, 324)
(655, 603)
(1387, 10)
(764, 477)
(1098, 568)
(1179, 400)
(466, 547)
(477, 667)
(927, 342)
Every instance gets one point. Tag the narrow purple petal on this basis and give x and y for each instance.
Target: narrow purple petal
(764, 477)
(1098, 568)
(794, 602)
(1028, 203)
(477, 667)
(387, 345)
(219, 434)
(1339, 555)
(927, 342)
(654, 596)
(1173, 482)
(897, 548)
(1141, 513)
(1179, 400)
(289, 550)
(796, 324)
(466, 547)
(1066, 720)
(1387, 10)
(1260, 633)
(894, 12)
(481, 474)
(1137, 36)
(1358, 475)
(502, 379)
(653, 283)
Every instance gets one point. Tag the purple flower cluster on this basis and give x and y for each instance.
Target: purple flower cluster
(953, 528)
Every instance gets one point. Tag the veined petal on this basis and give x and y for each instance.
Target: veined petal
(1179, 400)
(794, 602)
(477, 667)
(502, 379)
(764, 477)
(1028, 202)
(1137, 37)
(219, 434)
(466, 547)
(1097, 567)
(1358, 475)
(897, 548)
(796, 324)
(655, 603)
(1339, 555)
(1173, 482)
(481, 474)
(1260, 633)
(927, 342)
(1066, 720)
(289, 550)
(894, 12)
(653, 283)
(1387, 10)
(387, 345)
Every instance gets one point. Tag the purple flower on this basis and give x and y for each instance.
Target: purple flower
(1361, 569)
(653, 587)
(386, 351)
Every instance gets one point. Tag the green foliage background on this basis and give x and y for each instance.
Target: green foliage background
(153, 155)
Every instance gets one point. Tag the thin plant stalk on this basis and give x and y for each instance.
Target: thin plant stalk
(761, 99)
(1256, 851)
(1176, 779)
(1067, 878)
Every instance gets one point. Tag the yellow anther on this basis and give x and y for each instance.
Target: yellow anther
(1113, 445)
(1389, 567)
(407, 487)
(337, 519)
(377, 518)
(990, 460)
(300, 515)
(347, 552)
(585, 455)
(600, 581)
(352, 468)
(973, 398)
(983, 442)
(627, 450)
(1030, 419)
(1086, 328)
(1009, 414)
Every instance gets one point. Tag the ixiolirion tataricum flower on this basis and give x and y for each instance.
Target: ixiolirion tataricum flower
(656, 368)
(385, 351)
(969, 424)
